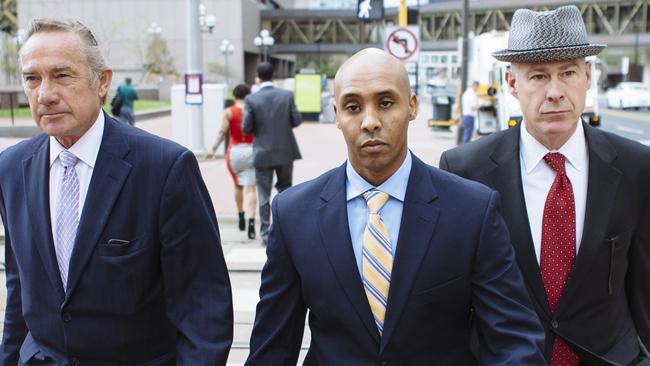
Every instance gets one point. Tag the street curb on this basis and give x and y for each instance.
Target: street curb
(25, 131)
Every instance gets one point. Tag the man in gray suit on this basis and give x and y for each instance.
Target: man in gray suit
(270, 114)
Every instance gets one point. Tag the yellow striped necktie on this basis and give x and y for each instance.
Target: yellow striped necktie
(377, 257)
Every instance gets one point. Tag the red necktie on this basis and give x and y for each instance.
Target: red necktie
(558, 247)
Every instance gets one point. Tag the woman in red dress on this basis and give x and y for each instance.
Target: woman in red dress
(239, 159)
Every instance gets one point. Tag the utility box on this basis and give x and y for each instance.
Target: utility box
(214, 96)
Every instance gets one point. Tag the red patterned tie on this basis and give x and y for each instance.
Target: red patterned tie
(558, 247)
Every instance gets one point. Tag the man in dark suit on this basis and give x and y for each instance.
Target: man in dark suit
(575, 198)
(270, 114)
(390, 256)
(113, 255)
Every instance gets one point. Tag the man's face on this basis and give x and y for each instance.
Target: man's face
(373, 106)
(552, 97)
(57, 81)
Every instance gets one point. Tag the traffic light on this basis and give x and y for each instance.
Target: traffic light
(370, 10)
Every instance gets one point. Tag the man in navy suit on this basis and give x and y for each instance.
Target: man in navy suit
(394, 259)
(113, 255)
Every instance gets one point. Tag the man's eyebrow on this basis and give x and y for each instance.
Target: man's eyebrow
(381, 93)
(349, 95)
(544, 68)
(62, 68)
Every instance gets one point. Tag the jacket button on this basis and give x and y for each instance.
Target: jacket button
(555, 324)
(67, 317)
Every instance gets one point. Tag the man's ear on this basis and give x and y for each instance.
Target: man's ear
(413, 107)
(511, 80)
(336, 113)
(105, 78)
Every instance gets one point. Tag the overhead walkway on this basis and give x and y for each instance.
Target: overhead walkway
(622, 23)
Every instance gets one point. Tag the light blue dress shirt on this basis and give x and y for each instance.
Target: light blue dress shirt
(391, 213)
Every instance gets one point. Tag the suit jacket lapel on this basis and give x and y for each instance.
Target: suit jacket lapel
(36, 176)
(419, 218)
(505, 177)
(335, 235)
(603, 180)
(109, 174)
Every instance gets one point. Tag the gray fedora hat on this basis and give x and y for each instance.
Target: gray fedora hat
(547, 36)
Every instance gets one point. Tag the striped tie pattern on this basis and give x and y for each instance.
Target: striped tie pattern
(377, 257)
(67, 214)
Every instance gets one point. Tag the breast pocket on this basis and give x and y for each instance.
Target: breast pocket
(115, 247)
(617, 247)
(442, 290)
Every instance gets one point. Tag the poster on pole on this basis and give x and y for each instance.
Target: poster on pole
(194, 88)
(403, 42)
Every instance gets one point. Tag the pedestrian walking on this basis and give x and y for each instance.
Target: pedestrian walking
(270, 115)
(127, 95)
(239, 159)
(576, 199)
(113, 255)
(389, 255)
(470, 106)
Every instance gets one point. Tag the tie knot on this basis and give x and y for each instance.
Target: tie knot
(68, 159)
(556, 162)
(375, 200)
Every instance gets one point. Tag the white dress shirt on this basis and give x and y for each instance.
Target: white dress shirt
(391, 213)
(86, 149)
(470, 102)
(537, 178)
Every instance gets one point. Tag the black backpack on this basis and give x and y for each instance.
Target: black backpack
(116, 104)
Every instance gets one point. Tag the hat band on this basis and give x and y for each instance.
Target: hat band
(549, 48)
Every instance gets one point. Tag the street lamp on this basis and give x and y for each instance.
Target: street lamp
(264, 41)
(227, 49)
(207, 21)
(154, 29)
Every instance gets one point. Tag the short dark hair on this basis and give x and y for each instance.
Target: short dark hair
(241, 91)
(265, 71)
(128, 80)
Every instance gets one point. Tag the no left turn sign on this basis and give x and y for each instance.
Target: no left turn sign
(403, 42)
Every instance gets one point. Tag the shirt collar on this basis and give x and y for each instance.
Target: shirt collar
(574, 150)
(394, 186)
(264, 84)
(86, 148)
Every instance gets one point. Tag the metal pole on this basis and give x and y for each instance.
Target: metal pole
(195, 66)
(227, 79)
(465, 50)
(11, 106)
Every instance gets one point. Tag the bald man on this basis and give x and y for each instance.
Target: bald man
(394, 259)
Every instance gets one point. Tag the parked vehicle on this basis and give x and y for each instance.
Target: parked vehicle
(629, 94)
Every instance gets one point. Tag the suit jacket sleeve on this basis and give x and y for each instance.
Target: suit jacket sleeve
(638, 278)
(296, 117)
(509, 329)
(280, 317)
(15, 330)
(248, 122)
(197, 286)
(444, 164)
